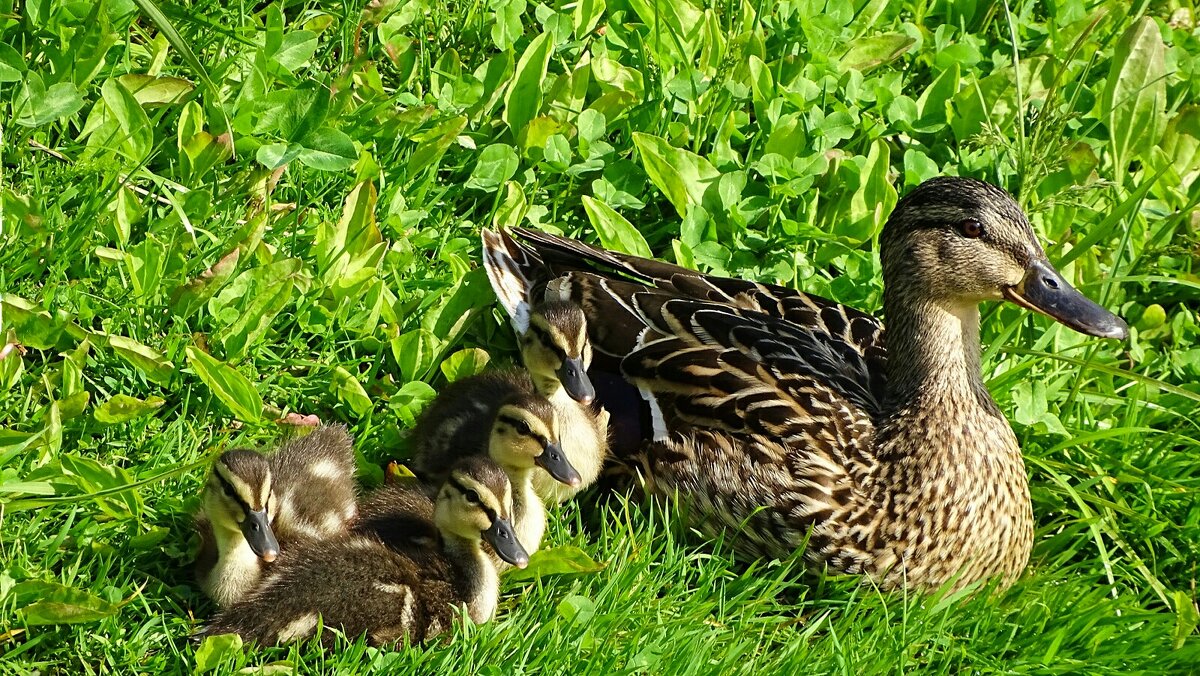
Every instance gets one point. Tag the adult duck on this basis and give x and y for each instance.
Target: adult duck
(786, 421)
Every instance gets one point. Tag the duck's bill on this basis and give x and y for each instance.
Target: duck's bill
(575, 380)
(1044, 290)
(503, 539)
(555, 462)
(257, 531)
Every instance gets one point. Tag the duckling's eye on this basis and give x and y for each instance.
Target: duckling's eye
(522, 428)
(472, 497)
(971, 228)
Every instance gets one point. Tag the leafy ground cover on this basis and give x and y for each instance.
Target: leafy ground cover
(220, 219)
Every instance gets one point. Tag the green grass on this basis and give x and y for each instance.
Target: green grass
(296, 190)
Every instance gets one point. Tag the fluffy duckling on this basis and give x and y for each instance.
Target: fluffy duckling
(256, 506)
(553, 336)
(498, 414)
(360, 585)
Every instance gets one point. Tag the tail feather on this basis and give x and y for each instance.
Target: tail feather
(511, 267)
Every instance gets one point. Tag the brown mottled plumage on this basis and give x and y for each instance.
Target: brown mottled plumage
(555, 349)
(359, 584)
(779, 415)
(257, 506)
(497, 414)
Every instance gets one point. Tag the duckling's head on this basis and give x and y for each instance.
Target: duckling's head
(556, 350)
(239, 498)
(958, 241)
(476, 502)
(525, 434)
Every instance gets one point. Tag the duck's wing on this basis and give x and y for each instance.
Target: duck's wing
(561, 255)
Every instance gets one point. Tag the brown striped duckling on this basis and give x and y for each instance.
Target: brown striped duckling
(358, 584)
(255, 507)
(498, 414)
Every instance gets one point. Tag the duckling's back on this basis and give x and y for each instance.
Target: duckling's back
(356, 584)
(401, 516)
(458, 423)
(313, 481)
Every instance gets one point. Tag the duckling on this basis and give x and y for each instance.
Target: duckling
(499, 414)
(256, 506)
(555, 348)
(359, 585)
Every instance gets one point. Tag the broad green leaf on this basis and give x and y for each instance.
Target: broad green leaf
(36, 106)
(215, 651)
(73, 405)
(614, 231)
(410, 400)
(249, 304)
(296, 49)
(577, 609)
(507, 29)
(144, 264)
(683, 176)
(136, 134)
(12, 64)
(524, 96)
(565, 560)
(230, 387)
(449, 320)
(32, 325)
(496, 164)
(192, 295)
(585, 17)
(512, 209)
(53, 603)
(149, 361)
(328, 149)
(351, 392)
(275, 155)
(123, 408)
(433, 144)
(675, 29)
(870, 51)
(464, 363)
(1187, 618)
(1135, 94)
(415, 352)
(150, 90)
(92, 476)
(933, 106)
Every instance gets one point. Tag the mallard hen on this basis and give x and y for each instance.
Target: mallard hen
(555, 349)
(359, 584)
(257, 506)
(783, 418)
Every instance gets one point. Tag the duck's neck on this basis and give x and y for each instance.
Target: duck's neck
(480, 583)
(933, 355)
(529, 514)
(548, 384)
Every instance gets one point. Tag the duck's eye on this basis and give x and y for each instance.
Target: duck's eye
(472, 497)
(522, 428)
(971, 227)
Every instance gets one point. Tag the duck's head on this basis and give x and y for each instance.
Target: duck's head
(958, 241)
(556, 350)
(239, 497)
(524, 434)
(475, 503)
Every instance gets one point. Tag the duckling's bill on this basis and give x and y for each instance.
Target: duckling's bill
(575, 380)
(556, 464)
(501, 536)
(257, 530)
(1044, 290)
